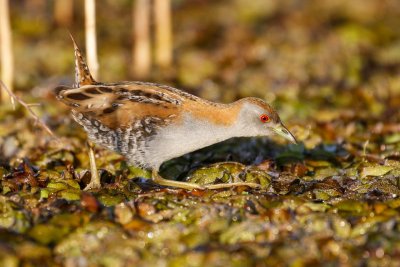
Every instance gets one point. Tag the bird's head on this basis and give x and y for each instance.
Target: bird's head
(259, 119)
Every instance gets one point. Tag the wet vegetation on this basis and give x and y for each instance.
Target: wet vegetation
(331, 69)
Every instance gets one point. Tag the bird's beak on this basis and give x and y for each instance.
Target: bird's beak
(285, 133)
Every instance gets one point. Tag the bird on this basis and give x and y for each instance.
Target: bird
(151, 123)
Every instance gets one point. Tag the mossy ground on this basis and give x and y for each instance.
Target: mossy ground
(331, 69)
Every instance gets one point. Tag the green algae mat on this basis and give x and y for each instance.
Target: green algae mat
(331, 69)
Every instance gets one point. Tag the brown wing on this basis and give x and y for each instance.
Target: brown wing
(119, 106)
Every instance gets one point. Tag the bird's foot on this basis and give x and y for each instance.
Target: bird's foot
(92, 185)
(229, 185)
(185, 185)
(161, 181)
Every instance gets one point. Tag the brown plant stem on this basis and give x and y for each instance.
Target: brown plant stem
(141, 38)
(6, 53)
(64, 12)
(163, 33)
(91, 43)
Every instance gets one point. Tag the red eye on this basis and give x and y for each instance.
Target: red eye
(264, 118)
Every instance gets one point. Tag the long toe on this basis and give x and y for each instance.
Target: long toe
(161, 181)
(229, 185)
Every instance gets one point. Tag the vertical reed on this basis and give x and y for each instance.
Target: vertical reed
(91, 43)
(163, 33)
(64, 12)
(6, 52)
(141, 38)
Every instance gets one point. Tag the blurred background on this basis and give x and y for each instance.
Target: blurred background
(330, 68)
(309, 54)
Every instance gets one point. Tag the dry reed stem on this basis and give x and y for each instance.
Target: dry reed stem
(163, 33)
(91, 43)
(141, 38)
(64, 12)
(6, 52)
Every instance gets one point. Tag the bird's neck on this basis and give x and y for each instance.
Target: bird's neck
(214, 123)
(213, 113)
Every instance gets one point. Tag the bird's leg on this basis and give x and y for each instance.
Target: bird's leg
(94, 179)
(161, 181)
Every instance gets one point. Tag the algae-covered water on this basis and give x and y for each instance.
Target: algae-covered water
(330, 68)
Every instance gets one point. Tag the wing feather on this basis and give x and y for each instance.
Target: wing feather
(121, 105)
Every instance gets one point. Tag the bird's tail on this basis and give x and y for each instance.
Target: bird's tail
(82, 73)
